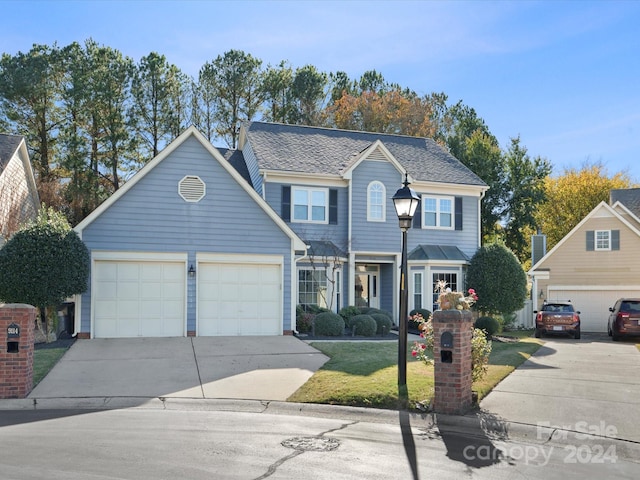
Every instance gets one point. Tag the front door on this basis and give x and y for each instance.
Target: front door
(367, 286)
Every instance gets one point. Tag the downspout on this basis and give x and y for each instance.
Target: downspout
(294, 267)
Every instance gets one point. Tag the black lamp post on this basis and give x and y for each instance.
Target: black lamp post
(406, 201)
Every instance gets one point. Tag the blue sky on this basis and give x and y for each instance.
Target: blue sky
(563, 75)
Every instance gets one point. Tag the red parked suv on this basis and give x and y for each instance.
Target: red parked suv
(624, 319)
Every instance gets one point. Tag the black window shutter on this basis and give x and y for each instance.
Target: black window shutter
(615, 239)
(333, 206)
(458, 207)
(417, 217)
(286, 203)
(591, 243)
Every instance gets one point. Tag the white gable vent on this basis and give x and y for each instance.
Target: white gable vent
(377, 154)
(192, 188)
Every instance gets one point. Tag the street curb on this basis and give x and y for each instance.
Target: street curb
(481, 424)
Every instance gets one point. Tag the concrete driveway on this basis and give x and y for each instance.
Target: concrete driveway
(252, 368)
(572, 385)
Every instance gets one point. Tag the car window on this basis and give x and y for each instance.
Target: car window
(630, 307)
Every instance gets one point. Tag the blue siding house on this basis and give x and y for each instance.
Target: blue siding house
(208, 241)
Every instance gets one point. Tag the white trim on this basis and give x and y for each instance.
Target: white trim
(205, 257)
(139, 256)
(309, 191)
(300, 178)
(449, 189)
(384, 201)
(413, 275)
(348, 173)
(192, 131)
(438, 211)
(593, 213)
(77, 314)
(157, 257)
(246, 259)
(593, 287)
(595, 241)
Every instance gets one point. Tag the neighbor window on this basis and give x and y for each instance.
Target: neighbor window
(417, 290)
(312, 288)
(375, 202)
(437, 212)
(310, 204)
(603, 239)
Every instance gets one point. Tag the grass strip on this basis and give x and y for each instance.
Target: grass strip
(44, 360)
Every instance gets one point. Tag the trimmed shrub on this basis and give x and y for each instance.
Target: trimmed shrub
(363, 325)
(328, 324)
(347, 313)
(489, 324)
(371, 311)
(383, 323)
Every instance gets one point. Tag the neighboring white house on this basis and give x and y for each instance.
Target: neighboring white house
(18, 193)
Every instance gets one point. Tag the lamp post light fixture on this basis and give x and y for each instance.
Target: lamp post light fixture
(406, 201)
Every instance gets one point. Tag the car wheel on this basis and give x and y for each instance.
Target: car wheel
(537, 333)
(609, 332)
(615, 337)
(576, 334)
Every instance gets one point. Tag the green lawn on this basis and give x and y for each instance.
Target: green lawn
(365, 373)
(44, 360)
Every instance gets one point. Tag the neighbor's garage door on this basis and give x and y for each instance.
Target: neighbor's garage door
(138, 299)
(592, 304)
(239, 299)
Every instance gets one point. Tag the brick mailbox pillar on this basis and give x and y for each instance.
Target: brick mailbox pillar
(452, 332)
(17, 323)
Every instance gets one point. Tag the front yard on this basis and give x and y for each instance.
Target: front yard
(365, 374)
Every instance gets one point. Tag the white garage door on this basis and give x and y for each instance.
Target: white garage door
(239, 299)
(592, 304)
(138, 299)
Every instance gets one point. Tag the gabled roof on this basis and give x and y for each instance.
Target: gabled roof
(438, 252)
(629, 197)
(314, 150)
(298, 244)
(601, 208)
(8, 146)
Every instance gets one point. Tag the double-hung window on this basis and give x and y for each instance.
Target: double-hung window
(437, 212)
(376, 202)
(312, 288)
(310, 204)
(603, 239)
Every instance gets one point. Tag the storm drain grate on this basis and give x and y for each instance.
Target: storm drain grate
(312, 444)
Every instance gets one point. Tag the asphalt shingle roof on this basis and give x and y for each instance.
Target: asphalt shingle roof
(328, 151)
(629, 197)
(8, 146)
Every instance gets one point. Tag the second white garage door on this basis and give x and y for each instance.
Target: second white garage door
(239, 299)
(593, 305)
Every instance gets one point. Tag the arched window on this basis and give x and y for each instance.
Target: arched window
(376, 202)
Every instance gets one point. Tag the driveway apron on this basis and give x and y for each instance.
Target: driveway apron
(253, 368)
(591, 384)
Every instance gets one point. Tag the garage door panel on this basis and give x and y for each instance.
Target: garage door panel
(593, 305)
(133, 299)
(239, 299)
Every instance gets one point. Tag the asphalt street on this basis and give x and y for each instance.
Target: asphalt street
(259, 440)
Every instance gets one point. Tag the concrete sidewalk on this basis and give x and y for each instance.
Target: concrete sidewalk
(250, 368)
